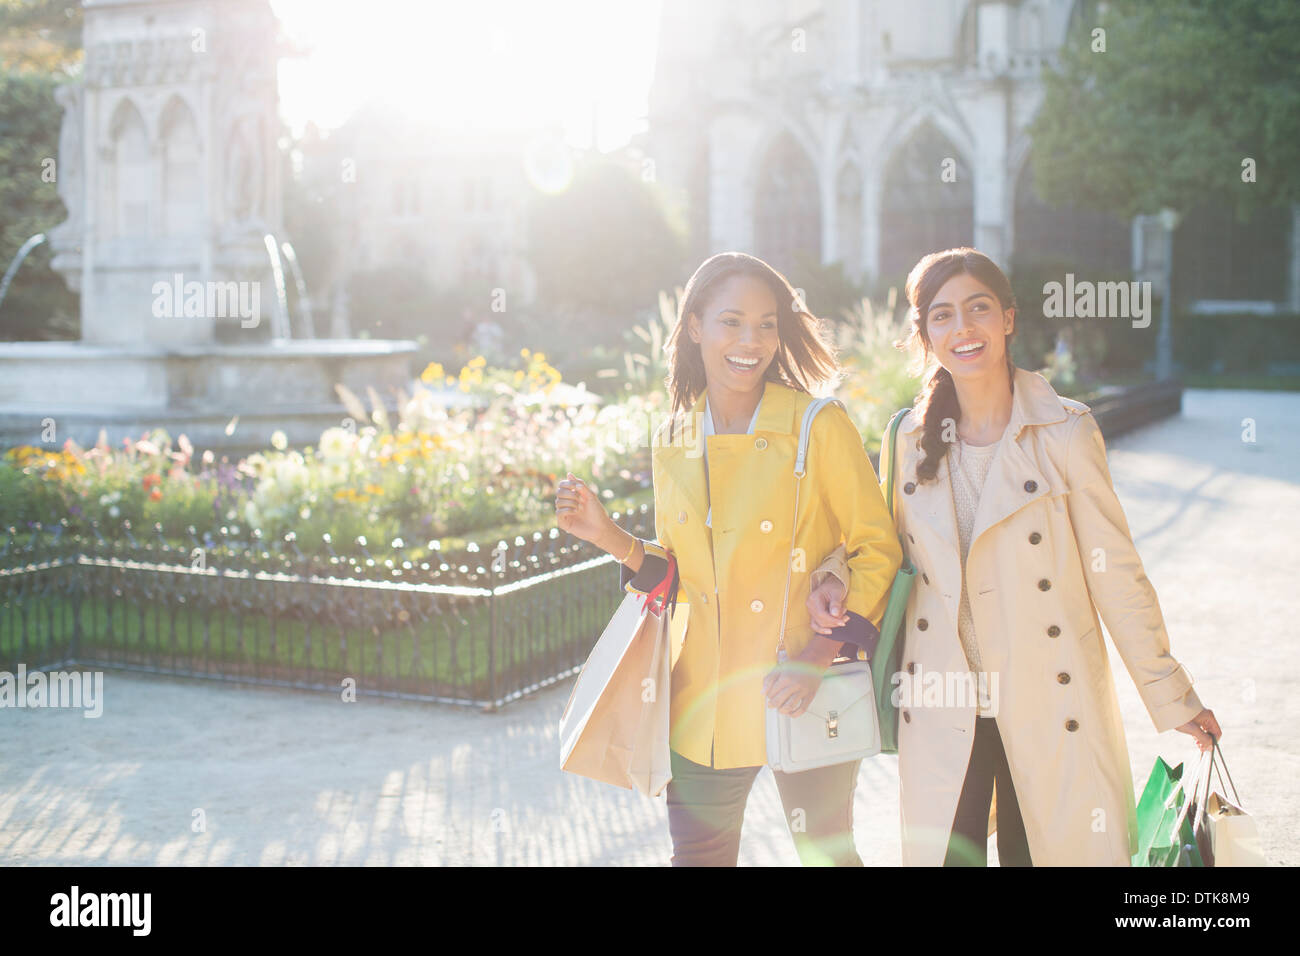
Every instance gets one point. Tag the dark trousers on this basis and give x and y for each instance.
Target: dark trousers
(968, 844)
(706, 808)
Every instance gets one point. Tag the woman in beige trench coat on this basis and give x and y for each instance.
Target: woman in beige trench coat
(1048, 552)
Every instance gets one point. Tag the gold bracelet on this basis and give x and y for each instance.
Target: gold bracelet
(630, 550)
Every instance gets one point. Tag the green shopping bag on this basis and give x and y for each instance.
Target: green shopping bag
(1165, 835)
(888, 657)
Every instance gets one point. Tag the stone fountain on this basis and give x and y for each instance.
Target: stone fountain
(170, 171)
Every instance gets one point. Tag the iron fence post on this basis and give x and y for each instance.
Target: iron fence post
(492, 649)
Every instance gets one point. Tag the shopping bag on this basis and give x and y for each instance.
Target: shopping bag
(615, 725)
(1233, 836)
(650, 768)
(1165, 835)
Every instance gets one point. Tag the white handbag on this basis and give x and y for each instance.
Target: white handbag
(840, 723)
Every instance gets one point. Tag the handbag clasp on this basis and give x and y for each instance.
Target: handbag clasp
(833, 724)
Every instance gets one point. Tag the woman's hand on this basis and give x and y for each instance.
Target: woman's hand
(826, 606)
(791, 685)
(579, 512)
(1203, 727)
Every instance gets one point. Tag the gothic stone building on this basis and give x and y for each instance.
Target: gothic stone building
(869, 132)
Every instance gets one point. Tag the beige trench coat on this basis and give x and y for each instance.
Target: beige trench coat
(1050, 549)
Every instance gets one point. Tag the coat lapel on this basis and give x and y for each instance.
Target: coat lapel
(927, 518)
(1014, 479)
(682, 460)
(934, 500)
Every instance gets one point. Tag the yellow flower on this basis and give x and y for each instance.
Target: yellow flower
(432, 372)
(477, 361)
(523, 353)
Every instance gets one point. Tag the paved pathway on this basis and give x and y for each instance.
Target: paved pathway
(295, 778)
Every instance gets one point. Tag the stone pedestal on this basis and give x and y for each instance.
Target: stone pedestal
(168, 163)
(197, 390)
(170, 170)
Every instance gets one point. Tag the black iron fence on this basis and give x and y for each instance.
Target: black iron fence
(482, 626)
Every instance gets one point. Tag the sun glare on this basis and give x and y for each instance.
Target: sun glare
(583, 65)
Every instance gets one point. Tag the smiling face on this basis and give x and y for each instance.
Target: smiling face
(737, 333)
(967, 328)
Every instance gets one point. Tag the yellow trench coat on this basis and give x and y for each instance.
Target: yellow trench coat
(1051, 558)
(732, 576)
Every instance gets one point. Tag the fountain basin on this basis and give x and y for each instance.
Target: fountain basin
(195, 389)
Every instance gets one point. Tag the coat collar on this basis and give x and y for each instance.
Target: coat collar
(775, 414)
(1014, 478)
(683, 459)
(1033, 402)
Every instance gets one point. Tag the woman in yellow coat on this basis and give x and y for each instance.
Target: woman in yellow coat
(1006, 508)
(744, 360)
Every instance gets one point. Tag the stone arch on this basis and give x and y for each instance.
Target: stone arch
(920, 212)
(849, 212)
(126, 175)
(181, 161)
(787, 204)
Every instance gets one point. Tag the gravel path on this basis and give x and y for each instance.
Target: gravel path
(187, 772)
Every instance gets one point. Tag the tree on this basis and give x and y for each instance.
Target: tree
(40, 46)
(38, 304)
(602, 251)
(1160, 105)
(40, 35)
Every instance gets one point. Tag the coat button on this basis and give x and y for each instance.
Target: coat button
(911, 667)
(681, 517)
(1053, 631)
(909, 487)
(760, 443)
(756, 605)
(1063, 678)
(1071, 725)
(907, 716)
(1031, 486)
(922, 624)
(765, 526)
(1035, 537)
(1044, 585)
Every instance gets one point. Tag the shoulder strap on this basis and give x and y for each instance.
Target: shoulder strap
(800, 469)
(887, 465)
(805, 431)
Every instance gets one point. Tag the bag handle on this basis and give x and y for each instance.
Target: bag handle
(1203, 762)
(1220, 762)
(800, 469)
(891, 443)
(663, 596)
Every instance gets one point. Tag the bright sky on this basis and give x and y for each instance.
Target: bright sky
(489, 64)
